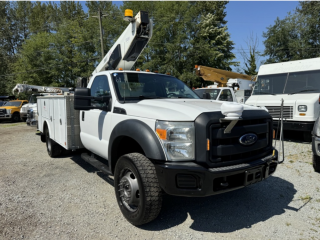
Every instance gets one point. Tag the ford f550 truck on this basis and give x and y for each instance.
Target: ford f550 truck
(154, 134)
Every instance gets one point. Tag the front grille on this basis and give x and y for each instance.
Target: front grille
(226, 147)
(274, 111)
(2, 111)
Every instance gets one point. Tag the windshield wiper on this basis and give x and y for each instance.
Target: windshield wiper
(268, 93)
(305, 90)
(148, 97)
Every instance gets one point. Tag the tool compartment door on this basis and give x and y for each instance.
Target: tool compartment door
(59, 121)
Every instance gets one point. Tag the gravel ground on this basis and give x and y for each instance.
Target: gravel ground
(66, 198)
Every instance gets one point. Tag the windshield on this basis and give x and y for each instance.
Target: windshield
(288, 83)
(33, 99)
(12, 104)
(213, 93)
(137, 86)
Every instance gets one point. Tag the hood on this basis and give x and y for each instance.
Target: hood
(9, 107)
(175, 109)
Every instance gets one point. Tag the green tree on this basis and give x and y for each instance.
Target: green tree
(295, 37)
(252, 57)
(185, 34)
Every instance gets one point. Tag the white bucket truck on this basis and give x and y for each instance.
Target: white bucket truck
(154, 134)
(298, 84)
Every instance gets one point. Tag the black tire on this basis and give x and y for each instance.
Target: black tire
(43, 138)
(316, 163)
(136, 173)
(53, 149)
(15, 117)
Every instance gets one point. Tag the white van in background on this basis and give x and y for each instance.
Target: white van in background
(298, 83)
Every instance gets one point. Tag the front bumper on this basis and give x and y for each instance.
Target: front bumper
(192, 179)
(5, 116)
(295, 126)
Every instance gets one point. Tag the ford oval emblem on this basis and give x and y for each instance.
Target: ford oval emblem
(248, 139)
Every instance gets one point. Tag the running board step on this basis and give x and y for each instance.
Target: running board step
(96, 163)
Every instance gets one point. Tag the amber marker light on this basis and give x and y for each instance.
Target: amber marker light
(302, 114)
(196, 66)
(208, 144)
(138, 69)
(120, 69)
(162, 133)
(157, 72)
(128, 13)
(147, 70)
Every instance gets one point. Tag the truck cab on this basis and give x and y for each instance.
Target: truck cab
(220, 94)
(297, 83)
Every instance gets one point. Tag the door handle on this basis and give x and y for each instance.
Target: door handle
(82, 115)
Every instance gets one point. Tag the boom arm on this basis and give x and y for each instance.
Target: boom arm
(125, 52)
(218, 75)
(20, 88)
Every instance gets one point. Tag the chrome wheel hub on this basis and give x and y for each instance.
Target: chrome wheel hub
(129, 191)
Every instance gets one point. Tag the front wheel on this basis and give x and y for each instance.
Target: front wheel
(15, 117)
(316, 163)
(53, 148)
(137, 188)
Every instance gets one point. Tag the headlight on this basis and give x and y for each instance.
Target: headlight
(177, 139)
(8, 111)
(302, 108)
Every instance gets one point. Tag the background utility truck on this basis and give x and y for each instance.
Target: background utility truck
(298, 84)
(240, 83)
(11, 110)
(153, 140)
(28, 112)
(214, 93)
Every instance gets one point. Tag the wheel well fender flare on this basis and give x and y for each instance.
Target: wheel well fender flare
(142, 134)
(45, 124)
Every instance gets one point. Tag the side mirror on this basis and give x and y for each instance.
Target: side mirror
(82, 99)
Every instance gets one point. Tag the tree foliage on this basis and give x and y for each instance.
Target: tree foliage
(53, 43)
(295, 37)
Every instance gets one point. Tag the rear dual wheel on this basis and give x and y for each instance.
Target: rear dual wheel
(53, 148)
(137, 189)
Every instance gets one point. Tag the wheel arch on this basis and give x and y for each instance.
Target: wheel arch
(138, 132)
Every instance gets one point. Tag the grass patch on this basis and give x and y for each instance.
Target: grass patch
(305, 198)
(288, 224)
(11, 124)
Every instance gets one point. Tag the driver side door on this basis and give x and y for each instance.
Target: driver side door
(94, 123)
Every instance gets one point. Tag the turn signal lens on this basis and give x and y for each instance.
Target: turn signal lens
(302, 114)
(138, 69)
(147, 70)
(162, 133)
(196, 66)
(208, 144)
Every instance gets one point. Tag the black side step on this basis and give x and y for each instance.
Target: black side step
(96, 163)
